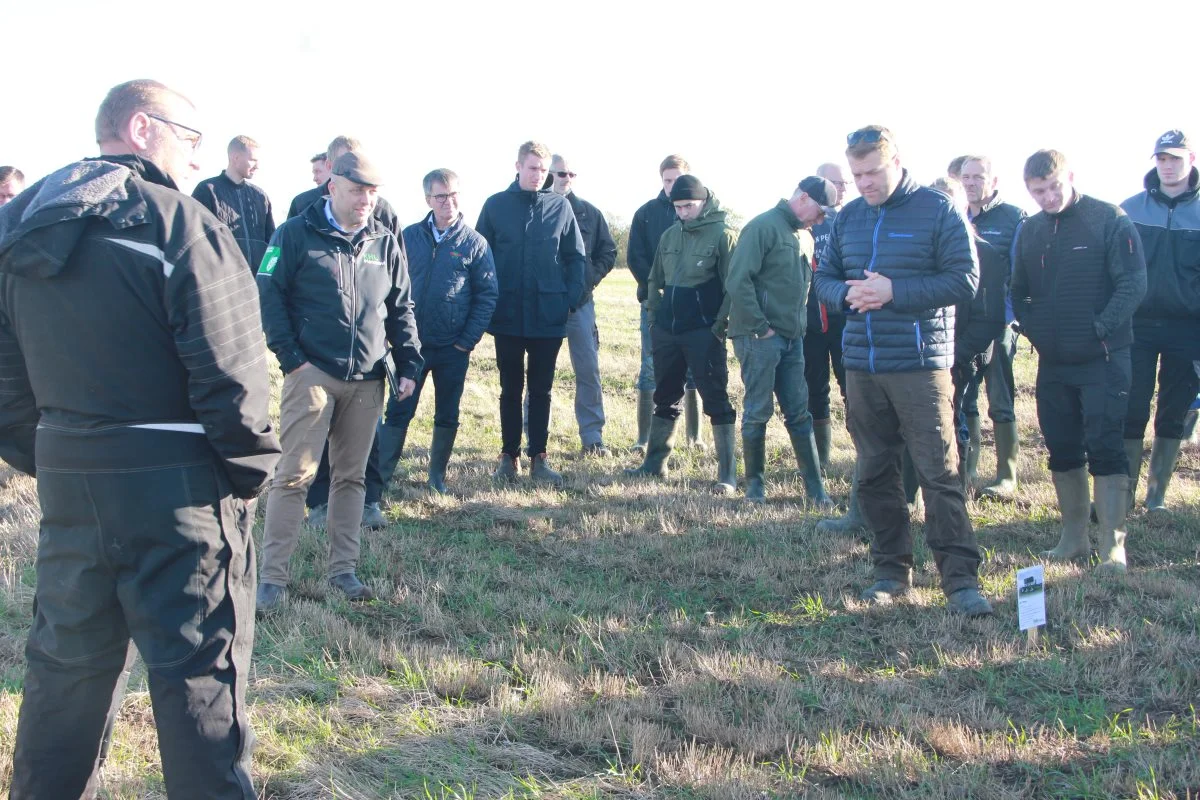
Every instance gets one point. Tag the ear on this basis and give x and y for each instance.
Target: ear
(518, 166)
(138, 132)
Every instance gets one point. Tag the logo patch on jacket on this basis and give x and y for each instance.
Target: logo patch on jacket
(371, 258)
(894, 235)
(270, 259)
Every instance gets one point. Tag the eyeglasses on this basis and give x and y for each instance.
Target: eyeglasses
(840, 184)
(565, 174)
(194, 142)
(867, 136)
(442, 198)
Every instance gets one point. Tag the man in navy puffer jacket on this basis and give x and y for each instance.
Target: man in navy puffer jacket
(899, 260)
(454, 294)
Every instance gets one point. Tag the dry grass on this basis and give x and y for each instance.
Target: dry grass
(642, 640)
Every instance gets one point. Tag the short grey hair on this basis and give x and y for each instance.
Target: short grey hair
(442, 176)
(126, 99)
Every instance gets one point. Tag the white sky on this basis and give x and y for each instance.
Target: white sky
(754, 94)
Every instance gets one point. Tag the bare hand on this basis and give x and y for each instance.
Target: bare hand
(770, 332)
(869, 294)
(406, 387)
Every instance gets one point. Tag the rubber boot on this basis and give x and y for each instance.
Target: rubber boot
(823, 433)
(850, 522)
(1133, 452)
(1073, 496)
(661, 441)
(754, 454)
(973, 443)
(507, 469)
(645, 410)
(439, 456)
(691, 420)
(724, 441)
(1112, 502)
(540, 471)
(912, 485)
(809, 464)
(391, 448)
(1008, 447)
(1162, 464)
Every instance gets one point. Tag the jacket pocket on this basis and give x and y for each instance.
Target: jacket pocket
(552, 305)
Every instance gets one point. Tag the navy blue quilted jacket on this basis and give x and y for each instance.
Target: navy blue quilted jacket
(919, 240)
(453, 284)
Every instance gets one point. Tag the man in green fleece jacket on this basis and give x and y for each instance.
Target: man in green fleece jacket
(689, 313)
(767, 287)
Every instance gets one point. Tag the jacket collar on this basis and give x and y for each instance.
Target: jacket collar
(1154, 188)
(455, 227)
(314, 217)
(903, 190)
(992, 202)
(789, 216)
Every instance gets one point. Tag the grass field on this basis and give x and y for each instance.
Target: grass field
(649, 640)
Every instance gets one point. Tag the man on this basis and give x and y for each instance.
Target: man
(147, 468)
(685, 295)
(997, 223)
(336, 304)
(898, 261)
(583, 336)
(954, 168)
(1078, 276)
(768, 282)
(320, 172)
(540, 269)
(454, 294)
(241, 205)
(12, 183)
(317, 501)
(649, 223)
(1166, 326)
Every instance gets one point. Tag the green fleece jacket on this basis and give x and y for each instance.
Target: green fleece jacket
(686, 287)
(769, 276)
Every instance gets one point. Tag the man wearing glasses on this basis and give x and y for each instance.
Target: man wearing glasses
(454, 294)
(147, 465)
(899, 260)
(241, 205)
(583, 337)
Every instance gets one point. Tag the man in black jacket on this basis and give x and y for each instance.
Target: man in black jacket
(899, 260)
(1078, 276)
(332, 276)
(129, 346)
(1166, 325)
(237, 202)
(649, 223)
(540, 267)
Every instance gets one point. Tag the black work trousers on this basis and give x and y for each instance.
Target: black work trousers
(822, 355)
(1081, 410)
(510, 361)
(1170, 347)
(704, 354)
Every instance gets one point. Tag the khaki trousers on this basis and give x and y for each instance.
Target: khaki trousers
(315, 407)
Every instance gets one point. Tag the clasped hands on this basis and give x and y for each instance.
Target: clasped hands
(869, 294)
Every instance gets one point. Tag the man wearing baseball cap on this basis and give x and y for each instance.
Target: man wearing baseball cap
(768, 284)
(321, 282)
(1166, 326)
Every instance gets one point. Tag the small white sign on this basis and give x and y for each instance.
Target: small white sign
(1031, 597)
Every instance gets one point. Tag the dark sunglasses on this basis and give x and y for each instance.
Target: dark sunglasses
(866, 136)
(565, 174)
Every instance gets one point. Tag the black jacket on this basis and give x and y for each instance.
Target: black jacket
(598, 244)
(980, 320)
(125, 303)
(453, 284)
(1170, 232)
(650, 222)
(338, 301)
(540, 261)
(1078, 276)
(818, 314)
(997, 223)
(243, 207)
(919, 240)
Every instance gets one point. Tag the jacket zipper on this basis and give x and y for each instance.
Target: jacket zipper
(870, 264)
(920, 344)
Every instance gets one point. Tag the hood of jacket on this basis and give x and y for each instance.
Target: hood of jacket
(1153, 186)
(40, 229)
(712, 214)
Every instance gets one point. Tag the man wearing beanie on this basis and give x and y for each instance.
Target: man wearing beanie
(689, 312)
(769, 277)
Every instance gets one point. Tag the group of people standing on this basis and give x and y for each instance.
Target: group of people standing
(134, 380)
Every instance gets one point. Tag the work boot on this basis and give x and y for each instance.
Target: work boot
(541, 473)
(973, 444)
(317, 515)
(691, 420)
(809, 464)
(754, 454)
(506, 469)
(269, 597)
(1112, 500)
(660, 442)
(439, 456)
(725, 443)
(1133, 452)
(1072, 490)
(645, 410)
(883, 592)
(349, 584)
(969, 602)
(391, 449)
(1008, 447)
(373, 518)
(596, 450)
(1162, 463)
(823, 433)
(850, 522)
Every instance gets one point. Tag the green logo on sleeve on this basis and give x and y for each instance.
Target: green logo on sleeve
(270, 259)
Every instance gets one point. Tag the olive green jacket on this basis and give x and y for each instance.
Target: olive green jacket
(769, 276)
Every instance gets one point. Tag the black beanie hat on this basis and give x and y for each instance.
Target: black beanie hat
(688, 187)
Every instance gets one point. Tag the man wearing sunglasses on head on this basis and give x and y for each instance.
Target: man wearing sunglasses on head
(899, 260)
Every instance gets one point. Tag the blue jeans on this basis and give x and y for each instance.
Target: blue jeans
(448, 366)
(583, 343)
(773, 366)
